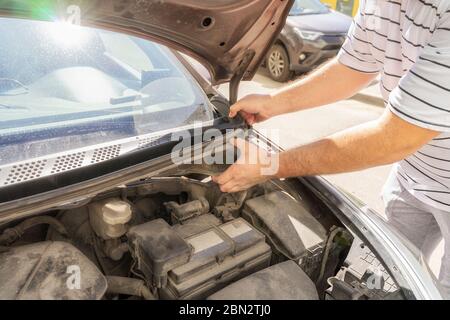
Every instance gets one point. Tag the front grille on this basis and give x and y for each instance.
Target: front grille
(333, 41)
(332, 47)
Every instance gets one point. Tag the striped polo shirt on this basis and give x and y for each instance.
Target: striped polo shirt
(408, 43)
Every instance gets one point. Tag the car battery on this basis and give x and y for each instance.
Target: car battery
(221, 254)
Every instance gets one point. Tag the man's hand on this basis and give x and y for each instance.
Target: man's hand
(253, 108)
(249, 169)
(309, 92)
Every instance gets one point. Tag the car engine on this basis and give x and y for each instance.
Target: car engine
(171, 238)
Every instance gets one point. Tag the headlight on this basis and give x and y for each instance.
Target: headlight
(308, 35)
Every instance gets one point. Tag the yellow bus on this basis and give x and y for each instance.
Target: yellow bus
(348, 7)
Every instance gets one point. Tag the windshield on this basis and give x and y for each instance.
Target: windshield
(308, 7)
(64, 87)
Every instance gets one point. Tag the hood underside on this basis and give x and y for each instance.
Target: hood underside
(230, 37)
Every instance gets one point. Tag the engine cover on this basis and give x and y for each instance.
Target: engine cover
(291, 229)
(43, 271)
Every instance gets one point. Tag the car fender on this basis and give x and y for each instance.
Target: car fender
(291, 42)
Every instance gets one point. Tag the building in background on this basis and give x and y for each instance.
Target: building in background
(348, 7)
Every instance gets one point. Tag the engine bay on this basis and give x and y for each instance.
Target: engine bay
(180, 237)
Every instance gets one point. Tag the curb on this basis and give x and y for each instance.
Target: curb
(374, 100)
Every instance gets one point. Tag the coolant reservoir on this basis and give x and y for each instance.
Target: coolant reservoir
(109, 218)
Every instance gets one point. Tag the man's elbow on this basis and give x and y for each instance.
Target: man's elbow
(401, 137)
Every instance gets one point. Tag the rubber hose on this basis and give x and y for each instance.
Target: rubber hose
(129, 286)
(326, 254)
(12, 234)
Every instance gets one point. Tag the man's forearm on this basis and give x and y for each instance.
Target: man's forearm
(376, 143)
(383, 141)
(330, 83)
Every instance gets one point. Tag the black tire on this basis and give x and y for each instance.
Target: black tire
(277, 64)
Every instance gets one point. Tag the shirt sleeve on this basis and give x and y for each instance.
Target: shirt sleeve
(422, 96)
(355, 53)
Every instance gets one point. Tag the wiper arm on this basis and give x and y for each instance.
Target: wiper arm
(11, 83)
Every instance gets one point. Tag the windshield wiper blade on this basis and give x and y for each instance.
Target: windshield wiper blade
(125, 99)
(12, 84)
(5, 106)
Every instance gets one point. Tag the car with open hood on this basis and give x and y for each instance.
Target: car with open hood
(93, 204)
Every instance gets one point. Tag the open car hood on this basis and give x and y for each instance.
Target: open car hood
(230, 37)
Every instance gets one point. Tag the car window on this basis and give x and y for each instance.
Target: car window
(308, 7)
(64, 87)
(198, 67)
